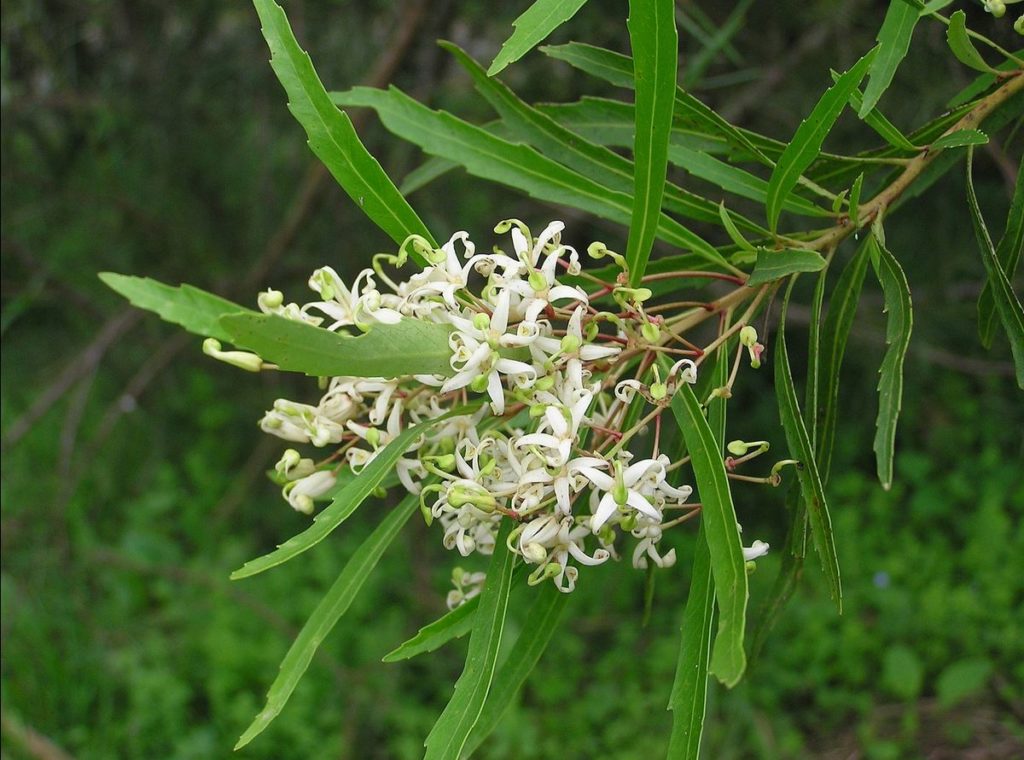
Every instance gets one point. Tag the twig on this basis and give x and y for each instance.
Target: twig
(29, 740)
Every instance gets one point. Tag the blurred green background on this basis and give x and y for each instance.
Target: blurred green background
(151, 138)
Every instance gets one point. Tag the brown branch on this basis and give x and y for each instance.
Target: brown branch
(33, 743)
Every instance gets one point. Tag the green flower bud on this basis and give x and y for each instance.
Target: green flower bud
(478, 384)
(570, 344)
(537, 280)
(748, 336)
(650, 332)
(481, 321)
(546, 383)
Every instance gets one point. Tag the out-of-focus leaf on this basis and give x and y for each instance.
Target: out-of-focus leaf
(537, 629)
(774, 265)
(344, 504)
(409, 347)
(719, 519)
(893, 43)
(425, 173)
(807, 141)
(331, 135)
(514, 164)
(961, 45)
(800, 448)
(902, 672)
(1008, 253)
(451, 732)
(452, 625)
(733, 179)
(855, 200)
(1007, 304)
(655, 45)
(959, 139)
(814, 360)
(530, 29)
(196, 310)
(900, 321)
(962, 679)
(327, 613)
(688, 700)
(982, 82)
(842, 309)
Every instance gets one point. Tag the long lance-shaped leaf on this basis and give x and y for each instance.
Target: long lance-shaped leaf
(452, 625)
(655, 44)
(893, 43)
(196, 310)
(595, 161)
(344, 504)
(334, 604)
(513, 164)
(1008, 252)
(539, 20)
(688, 701)
(330, 132)
(1007, 304)
(807, 141)
(842, 309)
(721, 529)
(878, 121)
(617, 69)
(800, 447)
(537, 630)
(736, 180)
(899, 323)
(450, 733)
(408, 347)
(774, 265)
(814, 360)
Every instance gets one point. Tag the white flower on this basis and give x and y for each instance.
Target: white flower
(446, 277)
(624, 490)
(755, 550)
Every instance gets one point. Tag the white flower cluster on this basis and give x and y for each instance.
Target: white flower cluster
(545, 446)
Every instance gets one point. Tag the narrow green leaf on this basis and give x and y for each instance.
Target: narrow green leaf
(409, 347)
(596, 162)
(1008, 252)
(1007, 304)
(900, 320)
(327, 613)
(878, 122)
(960, 43)
(450, 733)
(814, 361)
(331, 135)
(196, 310)
(807, 141)
(800, 448)
(733, 179)
(344, 504)
(719, 519)
(513, 164)
(537, 629)
(731, 229)
(842, 309)
(452, 625)
(774, 265)
(425, 173)
(655, 45)
(688, 701)
(982, 83)
(854, 206)
(617, 69)
(794, 551)
(959, 139)
(893, 43)
(530, 29)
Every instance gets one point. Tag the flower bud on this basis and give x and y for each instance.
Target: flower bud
(537, 280)
(748, 336)
(481, 321)
(650, 332)
(241, 359)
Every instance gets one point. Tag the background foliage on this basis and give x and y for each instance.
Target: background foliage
(151, 138)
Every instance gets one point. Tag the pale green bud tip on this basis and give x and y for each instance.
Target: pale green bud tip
(737, 448)
(748, 336)
(659, 391)
(288, 460)
(996, 7)
(650, 332)
(241, 359)
(1018, 25)
(373, 437)
(546, 383)
(478, 384)
(537, 280)
(272, 299)
(597, 250)
(535, 553)
(570, 344)
(481, 321)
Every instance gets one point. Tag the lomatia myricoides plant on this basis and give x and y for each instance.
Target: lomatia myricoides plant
(551, 403)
